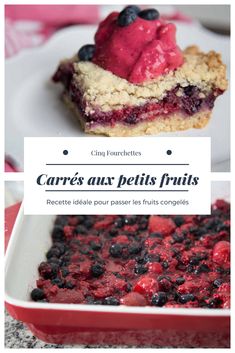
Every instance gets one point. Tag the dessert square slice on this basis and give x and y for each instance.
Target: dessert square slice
(110, 105)
(135, 80)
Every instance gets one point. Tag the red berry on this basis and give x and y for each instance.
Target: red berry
(146, 286)
(221, 253)
(133, 299)
(162, 225)
(155, 267)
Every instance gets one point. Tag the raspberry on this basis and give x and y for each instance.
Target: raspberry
(133, 299)
(161, 225)
(221, 254)
(146, 286)
(155, 267)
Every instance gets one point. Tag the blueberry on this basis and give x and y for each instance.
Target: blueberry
(178, 238)
(135, 249)
(69, 285)
(88, 223)
(86, 52)
(165, 264)
(119, 223)
(61, 221)
(53, 252)
(132, 8)
(156, 235)
(80, 229)
(84, 250)
(184, 298)
(115, 250)
(190, 90)
(202, 268)
(178, 221)
(97, 270)
(64, 272)
(111, 301)
(37, 294)
(179, 280)
(113, 232)
(190, 268)
(151, 258)
(140, 269)
(57, 281)
(130, 220)
(127, 16)
(159, 299)
(95, 246)
(194, 260)
(149, 14)
(58, 233)
(217, 282)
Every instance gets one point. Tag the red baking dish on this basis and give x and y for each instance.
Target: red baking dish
(89, 324)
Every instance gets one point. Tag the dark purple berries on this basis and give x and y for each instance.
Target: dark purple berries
(58, 233)
(37, 294)
(127, 16)
(111, 301)
(217, 282)
(97, 270)
(179, 281)
(135, 248)
(159, 299)
(149, 14)
(140, 269)
(115, 250)
(184, 298)
(86, 52)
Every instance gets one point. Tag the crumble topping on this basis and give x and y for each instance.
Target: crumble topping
(103, 89)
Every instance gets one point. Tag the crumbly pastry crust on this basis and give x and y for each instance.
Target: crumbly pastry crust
(170, 123)
(102, 89)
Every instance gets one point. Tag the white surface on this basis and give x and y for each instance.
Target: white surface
(124, 192)
(33, 107)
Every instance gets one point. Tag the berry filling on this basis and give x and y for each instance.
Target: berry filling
(188, 100)
(162, 261)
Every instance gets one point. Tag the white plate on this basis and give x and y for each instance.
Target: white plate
(33, 107)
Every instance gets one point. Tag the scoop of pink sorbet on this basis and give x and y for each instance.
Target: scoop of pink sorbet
(138, 52)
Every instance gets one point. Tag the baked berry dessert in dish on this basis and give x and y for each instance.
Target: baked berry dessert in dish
(135, 80)
(162, 261)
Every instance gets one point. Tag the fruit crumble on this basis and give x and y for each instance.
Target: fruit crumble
(162, 261)
(135, 80)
